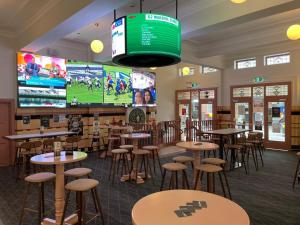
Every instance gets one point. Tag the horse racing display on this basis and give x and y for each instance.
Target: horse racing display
(52, 82)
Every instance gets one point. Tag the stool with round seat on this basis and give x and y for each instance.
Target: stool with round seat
(77, 173)
(174, 168)
(297, 172)
(211, 170)
(184, 160)
(154, 153)
(144, 163)
(40, 179)
(128, 147)
(118, 155)
(81, 186)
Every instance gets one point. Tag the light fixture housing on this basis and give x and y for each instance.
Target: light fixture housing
(97, 46)
(293, 32)
(238, 1)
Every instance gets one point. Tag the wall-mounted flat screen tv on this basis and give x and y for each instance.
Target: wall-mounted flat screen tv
(117, 85)
(41, 81)
(144, 91)
(84, 83)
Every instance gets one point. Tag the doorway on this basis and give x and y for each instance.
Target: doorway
(7, 127)
(264, 108)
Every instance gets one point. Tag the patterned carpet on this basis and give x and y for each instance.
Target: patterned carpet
(266, 195)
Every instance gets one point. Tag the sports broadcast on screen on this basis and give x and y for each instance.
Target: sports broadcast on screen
(41, 80)
(144, 92)
(117, 85)
(84, 83)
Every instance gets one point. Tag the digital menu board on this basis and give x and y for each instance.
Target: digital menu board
(149, 40)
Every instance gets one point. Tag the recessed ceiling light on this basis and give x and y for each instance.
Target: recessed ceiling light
(238, 1)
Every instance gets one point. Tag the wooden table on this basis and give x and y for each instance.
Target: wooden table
(38, 135)
(59, 161)
(135, 137)
(196, 147)
(158, 209)
(232, 132)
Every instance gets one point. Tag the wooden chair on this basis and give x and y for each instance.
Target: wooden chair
(72, 143)
(48, 144)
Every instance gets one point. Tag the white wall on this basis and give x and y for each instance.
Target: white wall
(8, 72)
(275, 73)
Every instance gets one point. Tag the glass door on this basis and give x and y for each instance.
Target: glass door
(242, 115)
(206, 116)
(184, 115)
(277, 124)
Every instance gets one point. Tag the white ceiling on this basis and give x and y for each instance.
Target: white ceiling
(212, 30)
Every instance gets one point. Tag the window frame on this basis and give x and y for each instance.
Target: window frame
(276, 55)
(244, 60)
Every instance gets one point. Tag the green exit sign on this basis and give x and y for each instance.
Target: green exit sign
(258, 79)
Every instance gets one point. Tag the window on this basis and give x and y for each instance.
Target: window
(277, 59)
(207, 94)
(244, 63)
(242, 92)
(207, 69)
(186, 71)
(277, 90)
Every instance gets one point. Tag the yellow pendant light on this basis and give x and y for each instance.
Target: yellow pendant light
(185, 71)
(97, 46)
(293, 32)
(238, 1)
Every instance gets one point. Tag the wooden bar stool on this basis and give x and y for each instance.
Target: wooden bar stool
(77, 173)
(184, 160)
(81, 186)
(118, 155)
(174, 168)
(211, 170)
(40, 179)
(154, 153)
(113, 142)
(72, 143)
(48, 144)
(221, 163)
(297, 175)
(144, 163)
(129, 148)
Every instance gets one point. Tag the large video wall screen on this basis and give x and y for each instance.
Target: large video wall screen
(53, 82)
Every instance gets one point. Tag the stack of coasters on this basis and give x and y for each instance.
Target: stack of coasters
(189, 208)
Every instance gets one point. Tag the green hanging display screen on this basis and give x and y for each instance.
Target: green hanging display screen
(150, 40)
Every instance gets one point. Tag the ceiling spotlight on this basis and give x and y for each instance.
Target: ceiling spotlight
(238, 1)
(153, 68)
(293, 32)
(97, 46)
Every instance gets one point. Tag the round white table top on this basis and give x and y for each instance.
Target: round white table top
(197, 146)
(135, 135)
(158, 209)
(50, 159)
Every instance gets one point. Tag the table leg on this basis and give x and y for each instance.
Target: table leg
(196, 164)
(59, 192)
(221, 147)
(139, 180)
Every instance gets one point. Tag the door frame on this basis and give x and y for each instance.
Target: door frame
(288, 130)
(287, 144)
(214, 103)
(12, 127)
